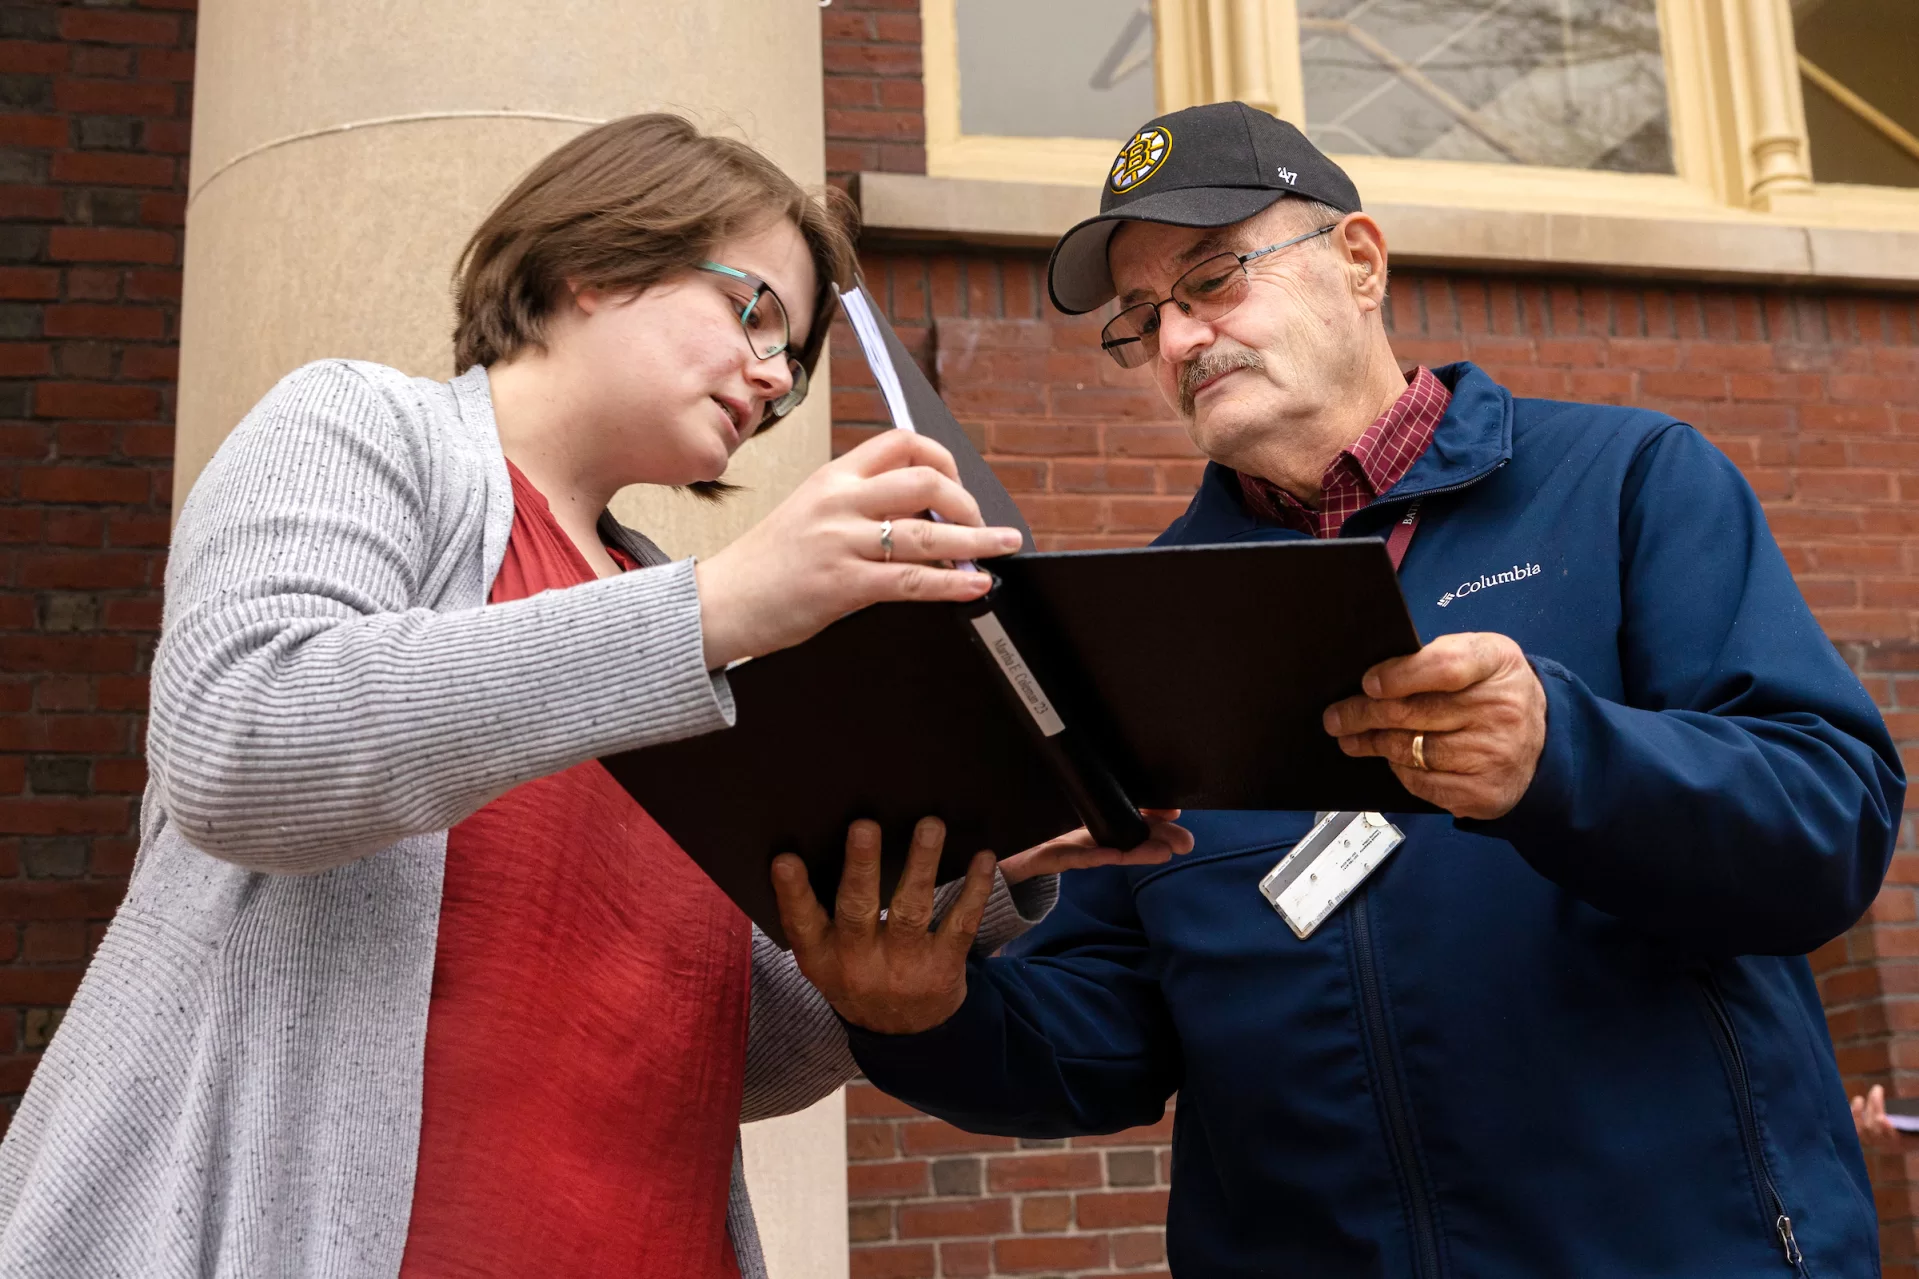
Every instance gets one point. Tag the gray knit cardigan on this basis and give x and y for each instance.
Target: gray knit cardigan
(236, 1090)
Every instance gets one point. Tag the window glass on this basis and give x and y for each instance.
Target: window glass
(1055, 68)
(1572, 83)
(1857, 60)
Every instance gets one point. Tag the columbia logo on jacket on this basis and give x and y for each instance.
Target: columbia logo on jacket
(1517, 573)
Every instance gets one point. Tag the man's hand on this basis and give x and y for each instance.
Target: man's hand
(1480, 709)
(894, 975)
(1079, 850)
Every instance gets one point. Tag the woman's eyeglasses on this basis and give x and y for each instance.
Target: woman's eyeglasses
(763, 318)
(1206, 292)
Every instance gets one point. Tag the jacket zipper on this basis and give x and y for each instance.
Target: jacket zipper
(1749, 1125)
(1399, 1128)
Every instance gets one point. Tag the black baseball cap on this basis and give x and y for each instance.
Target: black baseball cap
(1206, 166)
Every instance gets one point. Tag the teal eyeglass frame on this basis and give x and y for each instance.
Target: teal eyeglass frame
(747, 318)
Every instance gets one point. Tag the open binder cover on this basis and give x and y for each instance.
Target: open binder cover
(1200, 672)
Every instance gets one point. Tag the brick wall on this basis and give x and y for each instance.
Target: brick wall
(1815, 396)
(875, 107)
(93, 141)
(929, 1199)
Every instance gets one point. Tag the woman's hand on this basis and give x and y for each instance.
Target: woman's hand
(819, 556)
(1077, 851)
(1869, 1117)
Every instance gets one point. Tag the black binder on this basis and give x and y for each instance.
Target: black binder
(1194, 677)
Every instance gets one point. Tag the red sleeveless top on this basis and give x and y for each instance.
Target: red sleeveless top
(586, 1037)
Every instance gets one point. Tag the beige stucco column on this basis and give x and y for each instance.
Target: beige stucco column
(342, 152)
(344, 149)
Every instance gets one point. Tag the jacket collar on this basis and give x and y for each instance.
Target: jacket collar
(1472, 440)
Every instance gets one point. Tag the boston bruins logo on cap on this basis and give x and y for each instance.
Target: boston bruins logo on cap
(1140, 159)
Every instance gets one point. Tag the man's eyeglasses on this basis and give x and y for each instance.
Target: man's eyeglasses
(763, 317)
(1206, 292)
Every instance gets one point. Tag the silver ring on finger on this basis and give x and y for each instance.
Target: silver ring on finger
(886, 541)
(1419, 751)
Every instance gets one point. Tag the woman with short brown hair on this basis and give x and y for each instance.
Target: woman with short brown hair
(403, 980)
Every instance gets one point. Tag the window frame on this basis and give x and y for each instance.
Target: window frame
(1740, 147)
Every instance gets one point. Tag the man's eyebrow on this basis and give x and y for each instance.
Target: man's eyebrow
(1206, 246)
(1213, 242)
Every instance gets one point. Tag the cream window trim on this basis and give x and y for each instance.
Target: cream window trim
(1602, 238)
(1732, 74)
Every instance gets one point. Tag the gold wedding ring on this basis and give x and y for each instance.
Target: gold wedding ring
(1419, 751)
(886, 540)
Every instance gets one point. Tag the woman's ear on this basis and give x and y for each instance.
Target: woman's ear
(587, 298)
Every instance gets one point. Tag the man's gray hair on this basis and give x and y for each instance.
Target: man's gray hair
(1311, 214)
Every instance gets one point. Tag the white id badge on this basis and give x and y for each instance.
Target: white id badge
(1323, 869)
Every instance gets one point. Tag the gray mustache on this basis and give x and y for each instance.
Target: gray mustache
(1211, 365)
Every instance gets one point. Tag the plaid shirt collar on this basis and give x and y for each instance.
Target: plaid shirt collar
(1375, 462)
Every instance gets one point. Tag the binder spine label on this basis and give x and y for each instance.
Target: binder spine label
(1013, 666)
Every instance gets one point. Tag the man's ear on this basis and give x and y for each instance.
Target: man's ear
(1363, 245)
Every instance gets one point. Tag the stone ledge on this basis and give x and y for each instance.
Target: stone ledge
(1736, 247)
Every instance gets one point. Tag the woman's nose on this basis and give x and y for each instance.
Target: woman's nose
(771, 377)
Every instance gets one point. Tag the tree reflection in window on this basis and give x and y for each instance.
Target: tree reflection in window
(1572, 83)
(1857, 58)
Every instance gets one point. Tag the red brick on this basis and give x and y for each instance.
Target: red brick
(76, 528)
(100, 654)
(25, 57)
(900, 1178)
(119, 27)
(166, 64)
(21, 524)
(870, 1141)
(120, 776)
(82, 570)
(163, 208)
(25, 359)
(60, 815)
(864, 1101)
(121, 693)
(1065, 1171)
(98, 244)
(33, 131)
(1138, 1248)
(96, 60)
(1027, 1253)
(105, 321)
(167, 137)
(28, 282)
(936, 1137)
(94, 400)
(84, 484)
(37, 985)
(37, 204)
(106, 168)
(891, 1261)
(1045, 1214)
(958, 1217)
(132, 528)
(960, 1258)
(156, 286)
(1116, 1209)
(114, 97)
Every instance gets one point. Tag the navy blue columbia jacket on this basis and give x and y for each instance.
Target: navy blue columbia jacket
(1576, 1041)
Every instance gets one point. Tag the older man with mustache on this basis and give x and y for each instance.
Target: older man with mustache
(1565, 1027)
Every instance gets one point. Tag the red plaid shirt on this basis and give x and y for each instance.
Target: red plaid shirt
(1376, 461)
